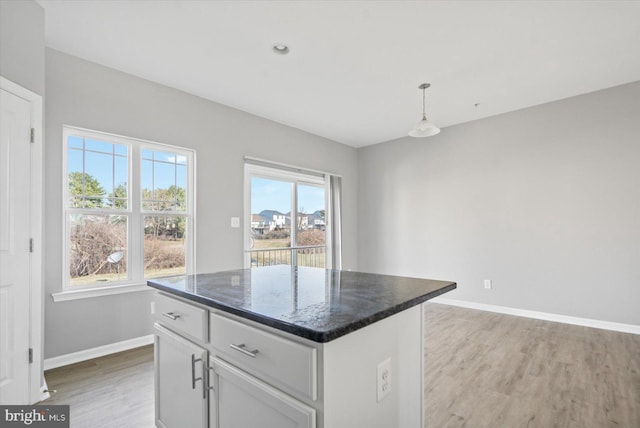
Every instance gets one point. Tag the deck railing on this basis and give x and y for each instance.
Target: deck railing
(310, 256)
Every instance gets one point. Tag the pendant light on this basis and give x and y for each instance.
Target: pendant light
(424, 128)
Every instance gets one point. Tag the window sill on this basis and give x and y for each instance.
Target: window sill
(86, 293)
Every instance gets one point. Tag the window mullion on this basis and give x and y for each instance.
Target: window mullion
(136, 237)
(294, 222)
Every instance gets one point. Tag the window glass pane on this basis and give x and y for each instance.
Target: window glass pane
(159, 156)
(164, 245)
(74, 142)
(311, 226)
(75, 177)
(98, 146)
(164, 176)
(98, 174)
(181, 190)
(97, 179)
(164, 182)
(74, 160)
(121, 149)
(270, 221)
(147, 184)
(147, 154)
(180, 159)
(119, 196)
(97, 248)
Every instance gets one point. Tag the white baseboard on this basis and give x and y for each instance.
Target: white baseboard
(585, 322)
(100, 351)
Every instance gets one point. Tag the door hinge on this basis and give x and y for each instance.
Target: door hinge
(30, 355)
(33, 135)
(31, 245)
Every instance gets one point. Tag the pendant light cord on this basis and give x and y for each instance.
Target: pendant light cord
(424, 114)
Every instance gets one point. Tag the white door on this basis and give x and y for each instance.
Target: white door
(15, 129)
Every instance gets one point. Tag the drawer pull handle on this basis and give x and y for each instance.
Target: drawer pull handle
(171, 315)
(243, 348)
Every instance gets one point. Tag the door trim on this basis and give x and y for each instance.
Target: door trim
(37, 384)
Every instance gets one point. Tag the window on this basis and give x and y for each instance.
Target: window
(128, 210)
(288, 223)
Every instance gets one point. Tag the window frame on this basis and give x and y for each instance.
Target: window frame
(135, 277)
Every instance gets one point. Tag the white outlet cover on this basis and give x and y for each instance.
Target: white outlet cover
(487, 284)
(383, 379)
(235, 222)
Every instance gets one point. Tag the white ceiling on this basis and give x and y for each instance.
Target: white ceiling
(354, 66)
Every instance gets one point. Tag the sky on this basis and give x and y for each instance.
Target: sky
(108, 163)
(276, 195)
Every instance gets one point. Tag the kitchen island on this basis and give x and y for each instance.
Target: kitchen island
(285, 346)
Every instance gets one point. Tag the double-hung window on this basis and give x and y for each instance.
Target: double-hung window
(128, 210)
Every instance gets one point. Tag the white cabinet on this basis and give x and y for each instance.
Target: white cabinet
(196, 390)
(180, 381)
(239, 400)
(218, 370)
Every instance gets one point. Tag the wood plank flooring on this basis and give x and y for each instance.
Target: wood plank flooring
(483, 370)
(492, 370)
(114, 391)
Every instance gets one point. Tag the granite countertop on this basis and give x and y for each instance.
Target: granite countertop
(317, 304)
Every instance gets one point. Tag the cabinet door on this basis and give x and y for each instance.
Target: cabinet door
(180, 386)
(238, 400)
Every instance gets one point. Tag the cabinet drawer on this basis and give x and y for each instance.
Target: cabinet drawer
(280, 362)
(182, 317)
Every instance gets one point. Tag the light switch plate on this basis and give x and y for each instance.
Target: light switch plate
(235, 222)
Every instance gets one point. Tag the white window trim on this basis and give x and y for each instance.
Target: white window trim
(134, 213)
(276, 172)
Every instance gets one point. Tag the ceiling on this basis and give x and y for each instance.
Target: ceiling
(354, 66)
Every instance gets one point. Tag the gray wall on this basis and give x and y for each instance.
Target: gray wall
(22, 44)
(84, 94)
(544, 201)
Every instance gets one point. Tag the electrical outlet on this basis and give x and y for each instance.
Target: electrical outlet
(383, 381)
(153, 308)
(235, 222)
(487, 284)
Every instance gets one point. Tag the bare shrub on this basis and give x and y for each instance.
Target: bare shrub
(273, 234)
(162, 254)
(93, 240)
(311, 237)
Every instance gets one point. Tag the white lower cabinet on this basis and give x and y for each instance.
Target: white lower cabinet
(196, 388)
(217, 370)
(180, 381)
(239, 400)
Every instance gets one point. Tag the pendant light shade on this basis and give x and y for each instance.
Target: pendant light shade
(424, 128)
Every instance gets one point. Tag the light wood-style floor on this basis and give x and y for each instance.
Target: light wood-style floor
(115, 391)
(492, 370)
(483, 370)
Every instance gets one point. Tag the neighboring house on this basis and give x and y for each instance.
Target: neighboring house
(257, 224)
(279, 221)
(316, 221)
(269, 220)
